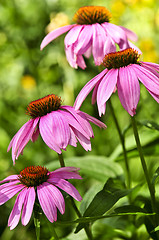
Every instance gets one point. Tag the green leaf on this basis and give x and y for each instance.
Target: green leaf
(105, 199)
(129, 209)
(96, 167)
(156, 175)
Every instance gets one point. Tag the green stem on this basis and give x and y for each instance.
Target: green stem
(62, 163)
(122, 140)
(87, 227)
(37, 213)
(144, 166)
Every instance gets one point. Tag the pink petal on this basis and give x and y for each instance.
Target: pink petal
(94, 94)
(87, 88)
(95, 121)
(109, 46)
(80, 62)
(85, 142)
(10, 178)
(69, 188)
(106, 87)
(128, 89)
(47, 205)
(99, 39)
(16, 211)
(150, 80)
(72, 35)
(65, 175)
(130, 34)
(80, 119)
(101, 109)
(71, 57)
(8, 192)
(35, 135)
(22, 137)
(28, 205)
(54, 34)
(88, 52)
(73, 140)
(116, 34)
(56, 196)
(73, 121)
(45, 127)
(84, 40)
(153, 65)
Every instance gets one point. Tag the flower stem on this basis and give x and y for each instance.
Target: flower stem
(144, 166)
(37, 213)
(86, 228)
(62, 163)
(122, 140)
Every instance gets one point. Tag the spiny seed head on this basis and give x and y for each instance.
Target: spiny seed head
(121, 58)
(33, 176)
(42, 106)
(92, 14)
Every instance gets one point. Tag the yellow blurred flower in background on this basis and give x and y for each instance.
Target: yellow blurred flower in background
(57, 20)
(149, 50)
(28, 82)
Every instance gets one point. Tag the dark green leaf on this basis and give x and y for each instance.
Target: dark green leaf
(105, 199)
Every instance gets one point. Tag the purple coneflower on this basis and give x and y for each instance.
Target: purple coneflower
(92, 34)
(123, 71)
(58, 125)
(36, 183)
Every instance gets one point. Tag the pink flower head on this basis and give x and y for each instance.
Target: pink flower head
(58, 125)
(123, 71)
(37, 183)
(92, 34)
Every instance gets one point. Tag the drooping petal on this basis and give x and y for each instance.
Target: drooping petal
(8, 192)
(71, 56)
(95, 121)
(46, 203)
(150, 80)
(72, 35)
(94, 94)
(80, 61)
(128, 89)
(84, 40)
(73, 141)
(73, 121)
(56, 196)
(28, 205)
(109, 46)
(16, 211)
(80, 119)
(35, 135)
(45, 127)
(98, 42)
(130, 34)
(106, 86)
(85, 142)
(22, 137)
(117, 34)
(69, 188)
(54, 34)
(87, 88)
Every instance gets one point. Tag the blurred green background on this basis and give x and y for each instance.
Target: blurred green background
(26, 74)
